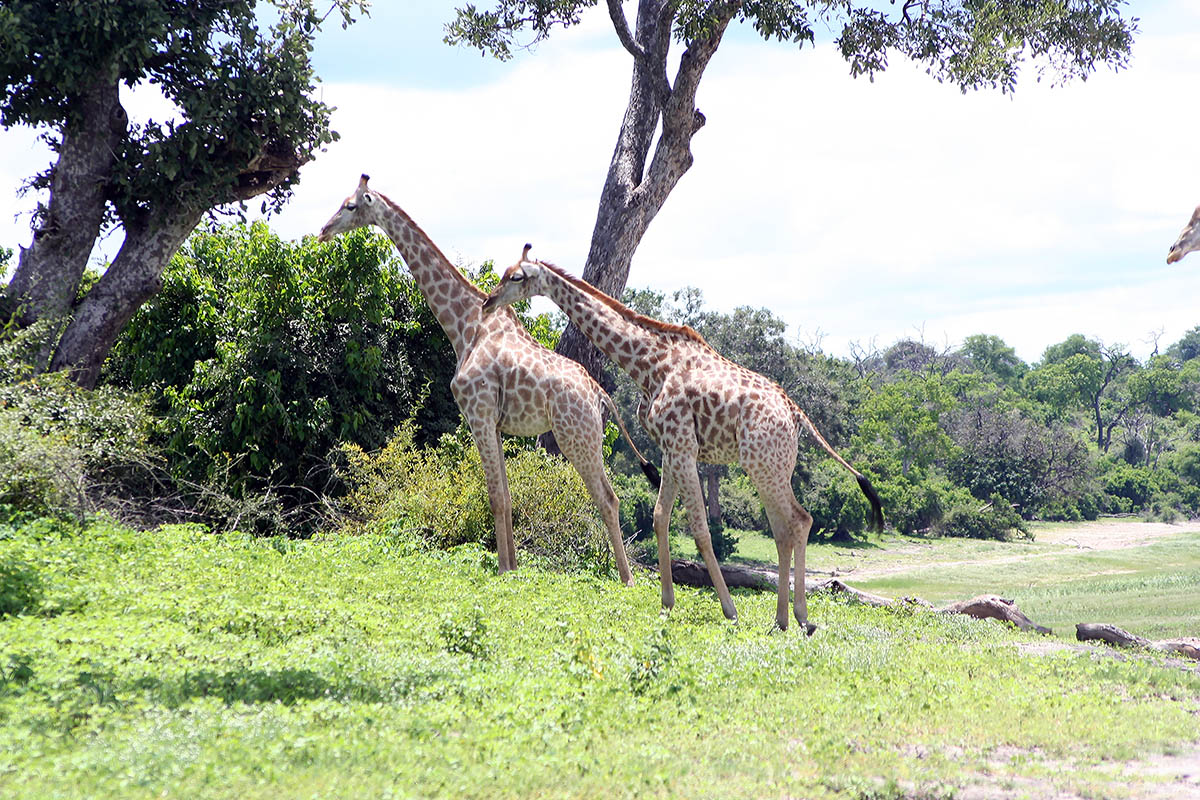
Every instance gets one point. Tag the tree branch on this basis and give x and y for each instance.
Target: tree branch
(617, 13)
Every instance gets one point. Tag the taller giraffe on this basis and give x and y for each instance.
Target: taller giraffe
(698, 406)
(505, 382)
(1188, 240)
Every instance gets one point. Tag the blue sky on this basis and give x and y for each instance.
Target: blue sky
(859, 212)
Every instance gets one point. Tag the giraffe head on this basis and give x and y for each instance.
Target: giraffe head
(357, 211)
(520, 282)
(1188, 241)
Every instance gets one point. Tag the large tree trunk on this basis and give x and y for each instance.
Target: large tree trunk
(712, 493)
(633, 193)
(49, 270)
(134, 276)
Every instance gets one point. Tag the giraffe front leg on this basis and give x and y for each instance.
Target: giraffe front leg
(491, 454)
(662, 532)
(684, 472)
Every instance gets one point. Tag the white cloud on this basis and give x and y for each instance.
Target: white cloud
(867, 211)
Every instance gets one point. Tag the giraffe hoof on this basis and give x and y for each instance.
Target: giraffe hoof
(809, 629)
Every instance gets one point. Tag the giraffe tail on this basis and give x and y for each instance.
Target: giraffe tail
(650, 471)
(864, 483)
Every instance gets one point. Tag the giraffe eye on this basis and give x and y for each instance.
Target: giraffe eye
(351, 205)
(517, 277)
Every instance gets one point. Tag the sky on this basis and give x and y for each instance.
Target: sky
(859, 212)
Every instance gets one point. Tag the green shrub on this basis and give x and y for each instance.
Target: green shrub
(740, 505)
(20, 586)
(1132, 484)
(65, 451)
(439, 494)
(267, 354)
(637, 499)
(995, 520)
(837, 504)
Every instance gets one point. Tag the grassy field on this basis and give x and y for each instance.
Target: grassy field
(1067, 574)
(180, 664)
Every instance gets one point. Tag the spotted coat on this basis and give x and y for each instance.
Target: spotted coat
(505, 381)
(700, 407)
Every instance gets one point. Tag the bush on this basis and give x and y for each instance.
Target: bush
(995, 520)
(637, 499)
(1134, 485)
(65, 451)
(21, 587)
(837, 505)
(740, 505)
(439, 493)
(267, 354)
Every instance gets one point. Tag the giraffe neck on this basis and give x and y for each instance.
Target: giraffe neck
(643, 353)
(455, 301)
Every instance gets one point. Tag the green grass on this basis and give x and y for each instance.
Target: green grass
(181, 664)
(1152, 589)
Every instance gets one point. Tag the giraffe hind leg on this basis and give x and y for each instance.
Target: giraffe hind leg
(585, 456)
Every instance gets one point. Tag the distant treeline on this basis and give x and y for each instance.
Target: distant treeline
(260, 358)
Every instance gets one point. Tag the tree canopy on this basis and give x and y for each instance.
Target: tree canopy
(237, 73)
(970, 43)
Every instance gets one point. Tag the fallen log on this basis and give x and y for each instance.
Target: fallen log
(987, 606)
(694, 573)
(1102, 631)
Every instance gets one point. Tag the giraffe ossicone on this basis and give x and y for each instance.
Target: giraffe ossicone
(700, 407)
(504, 381)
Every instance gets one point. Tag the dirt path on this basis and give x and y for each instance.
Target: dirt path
(1109, 534)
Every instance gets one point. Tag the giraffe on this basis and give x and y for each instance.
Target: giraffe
(1188, 240)
(505, 381)
(698, 406)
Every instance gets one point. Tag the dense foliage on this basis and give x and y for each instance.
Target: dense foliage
(261, 359)
(243, 116)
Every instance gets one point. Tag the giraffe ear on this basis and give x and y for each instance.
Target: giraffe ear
(368, 198)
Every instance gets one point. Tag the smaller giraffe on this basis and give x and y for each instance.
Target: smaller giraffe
(699, 407)
(1188, 240)
(505, 381)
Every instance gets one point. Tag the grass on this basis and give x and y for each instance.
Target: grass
(176, 663)
(1152, 589)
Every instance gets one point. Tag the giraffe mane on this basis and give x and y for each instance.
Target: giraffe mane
(641, 320)
(457, 273)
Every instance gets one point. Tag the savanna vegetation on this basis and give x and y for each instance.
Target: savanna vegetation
(256, 560)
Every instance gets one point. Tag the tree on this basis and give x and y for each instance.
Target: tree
(1003, 452)
(1083, 373)
(971, 43)
(991, 356)
(247, 121)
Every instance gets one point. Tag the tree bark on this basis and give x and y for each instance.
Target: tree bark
(49, 270)
(633, 193)
(712, 497)
(1101, 631)
(986, 606)
(134, 276)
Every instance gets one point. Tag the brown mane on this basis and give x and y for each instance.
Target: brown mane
(472, 288)
(686, 331)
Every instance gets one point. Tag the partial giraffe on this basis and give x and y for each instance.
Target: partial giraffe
(698, 406)
(505, 381)
(1188, 240)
